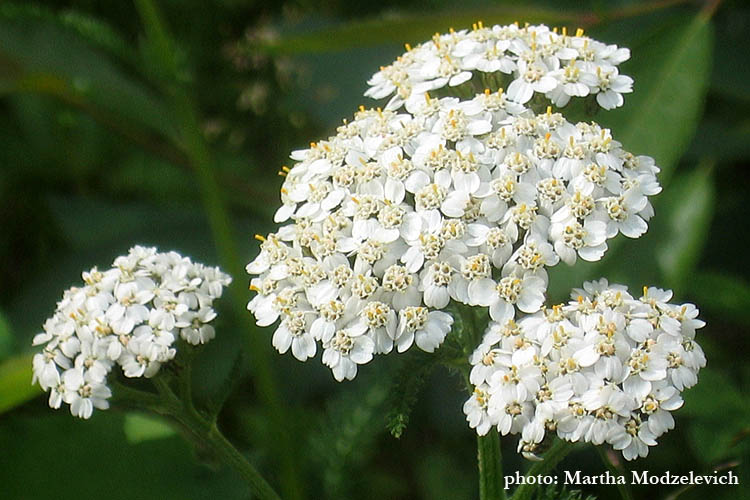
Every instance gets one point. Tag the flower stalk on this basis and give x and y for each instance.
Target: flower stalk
(204, 433)
(489, 455)
(490, 467)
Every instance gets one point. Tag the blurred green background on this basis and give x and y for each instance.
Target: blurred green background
(116, 129)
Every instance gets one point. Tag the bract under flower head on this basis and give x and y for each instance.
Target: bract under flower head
(604, 368)
(399, 213)
(527, 60)
(130, 315)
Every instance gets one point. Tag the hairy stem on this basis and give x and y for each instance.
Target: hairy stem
(490, 466)
(206, 435)
(228, 454)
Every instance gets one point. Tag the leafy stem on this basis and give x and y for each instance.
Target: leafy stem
(203, 432)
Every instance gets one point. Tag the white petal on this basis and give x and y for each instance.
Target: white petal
(482, 292)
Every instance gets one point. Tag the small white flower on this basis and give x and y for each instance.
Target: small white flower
(425, 328)
(475, 409)
(346, 349)
(84, 394)
(141, 358)
(293, 331)
(525, 292)
(532, 77)
(45, 369)
(194, 326)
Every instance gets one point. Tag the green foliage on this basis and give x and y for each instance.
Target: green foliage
(15, 382)
(96, 32)
(552, 492)
(219, 396)
(6, 337)
(722, 295)
(344, 440)
(719, 428)
(690, 201)
(409, 380)
(442, 476)
(139, 427)
(44, 452)
(671, 72)
(408, 27)
(46, 58)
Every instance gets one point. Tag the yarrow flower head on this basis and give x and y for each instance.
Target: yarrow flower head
(131, 315)
(533, 59)
(604, 368)
(399, 213)
(437, 201)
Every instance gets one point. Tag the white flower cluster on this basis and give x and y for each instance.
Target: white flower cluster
(435, 201)
(129, 315)
(401, 212)
(535, 58)
(606, 368)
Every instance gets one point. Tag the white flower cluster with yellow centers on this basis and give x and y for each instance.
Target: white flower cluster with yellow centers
(531, 59)
(129, 315)
(399, 213)
(605, 368)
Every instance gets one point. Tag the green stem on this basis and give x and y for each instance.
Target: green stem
(232, 457)
(554, 455)
(207, 435)
(200, 159)
(490, 467)
(135, 397)
(489, 456)
(624, 489)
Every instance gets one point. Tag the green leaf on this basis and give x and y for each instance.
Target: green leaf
(412, 27)
(671, 71)
(15, 382)
(722, 139)
(6, 337)
(731, 74)
(42, 57)
(721, 294)
(439, 471)
(719, 411)
(95, 31)
(219, 396)
(689, 203)
(714, 441)
(344, 441)
(139, 427)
